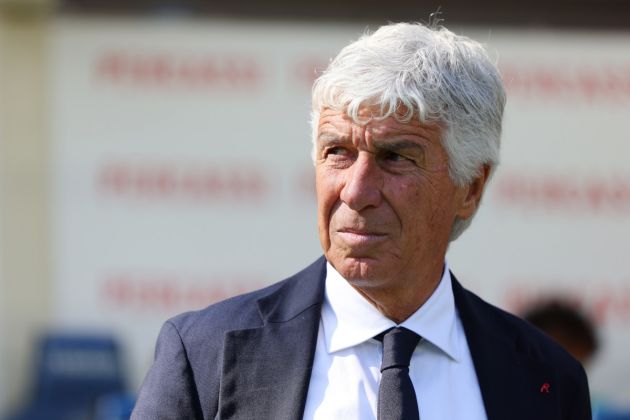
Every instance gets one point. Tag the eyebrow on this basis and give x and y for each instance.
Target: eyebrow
(330, 139)
(397, 145)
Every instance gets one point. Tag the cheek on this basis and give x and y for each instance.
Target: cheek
(327, 195)
(419, 204)
(326, 189)
(439, 209)
(409, 197)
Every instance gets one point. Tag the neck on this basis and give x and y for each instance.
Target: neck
(399, 303)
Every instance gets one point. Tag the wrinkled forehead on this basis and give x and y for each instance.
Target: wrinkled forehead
(338, 123)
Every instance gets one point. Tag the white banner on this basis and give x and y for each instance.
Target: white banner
(182, 174)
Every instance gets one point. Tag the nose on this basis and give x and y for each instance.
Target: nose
(363, 183)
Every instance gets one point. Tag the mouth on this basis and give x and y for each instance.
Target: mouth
(360, 237)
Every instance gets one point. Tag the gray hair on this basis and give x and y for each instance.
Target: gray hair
(431, 74)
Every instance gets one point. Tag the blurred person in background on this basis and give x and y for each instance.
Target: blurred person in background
(572, 329)
(576, 333)
(406, 131)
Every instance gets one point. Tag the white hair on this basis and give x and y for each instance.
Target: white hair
(431, 74)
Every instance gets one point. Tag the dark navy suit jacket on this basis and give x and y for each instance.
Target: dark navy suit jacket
(250, 357)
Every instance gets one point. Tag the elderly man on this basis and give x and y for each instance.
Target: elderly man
(406, 126)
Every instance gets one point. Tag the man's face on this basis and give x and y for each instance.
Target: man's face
(386, 203)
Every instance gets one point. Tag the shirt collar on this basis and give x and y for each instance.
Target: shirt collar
(348, 319)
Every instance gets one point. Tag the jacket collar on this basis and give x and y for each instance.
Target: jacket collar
(266, 370)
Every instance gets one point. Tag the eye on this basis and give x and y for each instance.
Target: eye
(336, 151)
(395, 157)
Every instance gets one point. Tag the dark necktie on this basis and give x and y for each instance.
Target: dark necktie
(396, 396)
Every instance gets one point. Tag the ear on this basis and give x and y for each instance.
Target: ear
(469, 195)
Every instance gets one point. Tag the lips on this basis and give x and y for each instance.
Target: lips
(360, 237)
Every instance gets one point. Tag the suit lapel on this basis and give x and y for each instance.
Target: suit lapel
(266, 370)
(512, 383)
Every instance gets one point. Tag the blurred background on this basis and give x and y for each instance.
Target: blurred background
(154, 158)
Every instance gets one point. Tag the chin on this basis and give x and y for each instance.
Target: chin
(361, 272)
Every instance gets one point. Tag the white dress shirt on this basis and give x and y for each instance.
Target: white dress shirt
(346, 371)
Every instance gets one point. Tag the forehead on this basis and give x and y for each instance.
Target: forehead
(339, 124)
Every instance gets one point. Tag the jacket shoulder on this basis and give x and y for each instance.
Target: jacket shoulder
(189, 351)
(527, 338)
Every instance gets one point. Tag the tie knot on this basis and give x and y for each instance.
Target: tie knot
(398, 346)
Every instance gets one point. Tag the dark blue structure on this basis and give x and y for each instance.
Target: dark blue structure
(71, 373)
